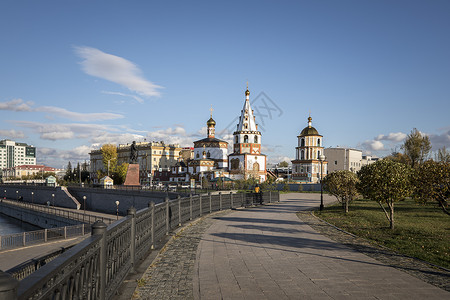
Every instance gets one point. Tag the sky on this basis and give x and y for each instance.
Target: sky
(78, 74)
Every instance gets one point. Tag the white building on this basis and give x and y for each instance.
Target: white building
(343, 159)
(246, 160)
(14, 154)
(368, 159)
(307, 165)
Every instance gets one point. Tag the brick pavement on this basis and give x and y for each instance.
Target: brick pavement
(269, 253)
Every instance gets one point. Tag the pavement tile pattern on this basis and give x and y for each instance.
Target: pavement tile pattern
(170, 274)
(269, 253)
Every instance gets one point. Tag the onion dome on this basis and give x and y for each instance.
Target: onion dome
(247, 92)
(211, 122)
(309, 130)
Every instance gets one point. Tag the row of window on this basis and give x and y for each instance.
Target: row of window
(255, 139)
(302, 142)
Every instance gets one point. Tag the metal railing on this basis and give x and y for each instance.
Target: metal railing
(59, 212)
(28, 238)
(95, 268)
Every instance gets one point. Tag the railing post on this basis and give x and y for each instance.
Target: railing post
(45, 235)
(152, 205)
(270, 196)
(132, 213)
(242, 199)
(8, 286)
(24, 239)
(179, 210)
(210, 202)
(190, 206)
(167, 215)
(99, 228)
(65, 232)
(200, 200)
(82, 229)
(220, 200)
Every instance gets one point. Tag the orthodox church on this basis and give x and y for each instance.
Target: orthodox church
(246, 160)
(309, 164)
(211, 160)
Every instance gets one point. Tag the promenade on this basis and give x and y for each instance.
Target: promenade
(269, 253)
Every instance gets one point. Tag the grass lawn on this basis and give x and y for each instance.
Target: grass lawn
(421, 231)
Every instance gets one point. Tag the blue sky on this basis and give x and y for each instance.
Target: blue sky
(77, 74)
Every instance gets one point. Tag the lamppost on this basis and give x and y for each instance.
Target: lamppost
(321, 158)
(53, 199)
(117, 209)
(84, 207)
(17, 195)
(5, 195)
(32, 197)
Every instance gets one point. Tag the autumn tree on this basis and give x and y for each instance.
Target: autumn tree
(120, 173)
(109, 157)
(432, 182)
(342, 185)
(416, 147)
(385, 182)
(443, 155)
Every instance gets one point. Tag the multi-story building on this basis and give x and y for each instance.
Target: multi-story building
(343, 159)
(152, 156)
(28, 170)
(368, 159)
(15, 154)
(246, 160)
(308, 165)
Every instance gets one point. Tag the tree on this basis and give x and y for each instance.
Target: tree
(120, 173)
(399, 157)
(342, 185)
(109, 157)
(385, 182)
(432, 182)
(283, 164)
(443, 155)
(416, 147)
(69, 173)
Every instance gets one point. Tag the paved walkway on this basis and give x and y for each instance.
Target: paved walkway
(268, 253)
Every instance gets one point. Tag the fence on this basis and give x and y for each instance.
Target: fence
(28, 238)
(64, 213)
(95, 268)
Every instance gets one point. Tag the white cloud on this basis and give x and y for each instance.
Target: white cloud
(116, 69)
(12, 134)
(373, 145)
(393, 136)
(138, 99)
(440, 140)
(16, 105)
(82, 117)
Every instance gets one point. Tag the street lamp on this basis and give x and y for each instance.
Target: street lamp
(32, 197)
(5, 195)
(117, 209)
(84, 206)
(321, 158)
(17, 195)
(53, 198)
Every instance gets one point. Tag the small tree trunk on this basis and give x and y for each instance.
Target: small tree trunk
(391, 206)
(442, 204)
(346, 206)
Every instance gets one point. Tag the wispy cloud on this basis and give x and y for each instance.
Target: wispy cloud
(116, 69)
(138, 99)
(384, 142)
(82, 117)
(16, 105)
(12, 134)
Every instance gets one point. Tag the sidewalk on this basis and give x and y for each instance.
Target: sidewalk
(269, 253)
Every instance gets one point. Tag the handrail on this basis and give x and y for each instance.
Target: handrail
(95, 268)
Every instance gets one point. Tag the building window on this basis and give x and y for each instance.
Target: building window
(335, 162)
(256, 139)
(208, 155)
(245, 138)
(197, 155)
(303, 155)
(318, 142)
(302, 143)
(236, 140)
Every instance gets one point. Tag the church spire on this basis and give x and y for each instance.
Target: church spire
(211, 124)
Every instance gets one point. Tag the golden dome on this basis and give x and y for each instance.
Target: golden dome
(247, 92)
(211, 122)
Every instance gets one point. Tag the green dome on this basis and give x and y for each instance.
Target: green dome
(309, 131)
